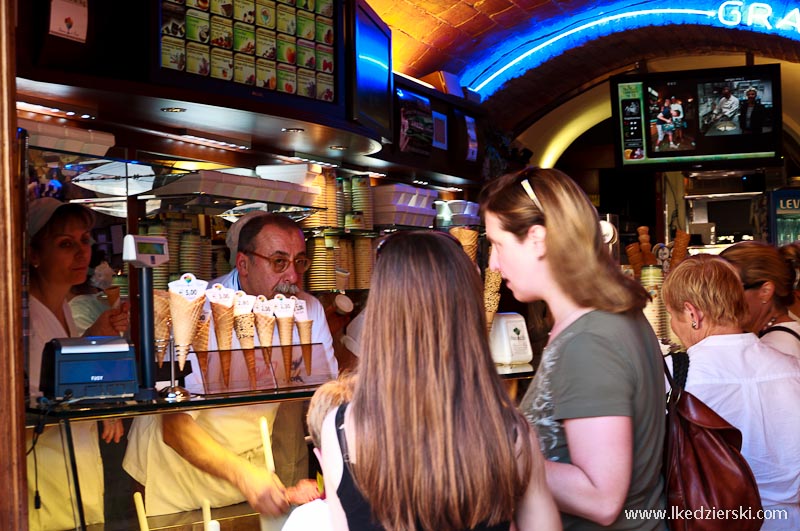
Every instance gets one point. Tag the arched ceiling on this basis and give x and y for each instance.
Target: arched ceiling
(444, 35)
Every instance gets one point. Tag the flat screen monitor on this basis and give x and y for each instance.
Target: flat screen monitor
(371, 90)
(698, 119)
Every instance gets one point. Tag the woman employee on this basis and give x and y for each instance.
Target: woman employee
(59, 253)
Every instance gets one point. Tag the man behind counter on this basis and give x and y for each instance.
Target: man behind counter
(216, 454)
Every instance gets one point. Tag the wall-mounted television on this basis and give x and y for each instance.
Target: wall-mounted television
(371, 81)
(698, 119)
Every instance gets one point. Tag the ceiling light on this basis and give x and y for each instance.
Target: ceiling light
(43, 107)
(215, 141)
(292, 130)
(339, 148)
(173, 109)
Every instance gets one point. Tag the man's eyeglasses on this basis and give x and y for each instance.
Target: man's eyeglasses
(280, 264)
(529, 190)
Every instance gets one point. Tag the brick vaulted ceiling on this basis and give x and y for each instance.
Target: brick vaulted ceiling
(434, 35)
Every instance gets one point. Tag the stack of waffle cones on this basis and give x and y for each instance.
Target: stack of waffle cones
(223, 329)
(491, 294)
(285, 330)
(469, 241)
(265, 325)
(200, 342)
(304, 330)
(161, 322)
(244, 324)
(185, 316)
(680, 248)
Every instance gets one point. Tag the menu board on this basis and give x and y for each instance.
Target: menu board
(274, 45)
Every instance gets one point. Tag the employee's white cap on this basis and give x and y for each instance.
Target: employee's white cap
(232, 238)
(39, 213)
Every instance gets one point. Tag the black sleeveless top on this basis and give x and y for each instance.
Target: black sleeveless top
(356, 508)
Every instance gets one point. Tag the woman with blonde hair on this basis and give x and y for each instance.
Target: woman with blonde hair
(430, 441)
(597, 401)
(748, 383)
(768, 280)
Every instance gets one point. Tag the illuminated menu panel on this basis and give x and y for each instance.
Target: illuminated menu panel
(285, 45)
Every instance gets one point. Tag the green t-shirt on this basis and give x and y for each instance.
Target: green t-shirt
(604, 365)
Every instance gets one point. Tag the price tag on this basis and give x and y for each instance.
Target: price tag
(263, 306)
(221, 295)
(243, 303)
(282, 307)
(300, 311)
(188, 286)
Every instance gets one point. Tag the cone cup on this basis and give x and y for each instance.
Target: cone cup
(223, 325)
(285, 328)
(489, 320)
(185, 315)
(265, 325)
(200, 346)
(161, 318)
(113, 295)
(244, 325)
(225, 363)
(304, 330)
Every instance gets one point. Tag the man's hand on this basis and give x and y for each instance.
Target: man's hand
(264, 491)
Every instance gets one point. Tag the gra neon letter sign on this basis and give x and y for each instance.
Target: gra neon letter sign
(735, 12)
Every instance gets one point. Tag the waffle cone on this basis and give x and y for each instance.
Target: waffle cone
(489, 320)
(200, 346)
(304, 330)
(285, 328)
(250, 361)
(161, 318)
(113, 295)
(245, 327)
(266, 353)
(223, 325)
(225, 363)
(185, 315)
(265, 326)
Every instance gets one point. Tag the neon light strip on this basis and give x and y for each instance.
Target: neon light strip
(589, 25)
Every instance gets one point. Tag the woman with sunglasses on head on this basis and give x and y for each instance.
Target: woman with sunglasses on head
(597, 401)
(59, 253)
(217, 454)
(430, 440)
(768, 279)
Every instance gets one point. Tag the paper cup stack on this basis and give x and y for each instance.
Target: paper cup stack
(652, 278)
(680, 248)
(363, 261)
(469, 241)
(362, 200)
(320, 276)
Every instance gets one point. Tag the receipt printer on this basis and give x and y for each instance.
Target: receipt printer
(88, 367)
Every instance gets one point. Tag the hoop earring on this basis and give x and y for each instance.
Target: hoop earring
(694, 325)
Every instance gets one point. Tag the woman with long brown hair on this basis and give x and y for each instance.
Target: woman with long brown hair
(430, 441)
(597, 401)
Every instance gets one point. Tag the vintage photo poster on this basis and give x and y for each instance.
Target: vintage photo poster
(69, 19)
(472, 139)
(416, 123)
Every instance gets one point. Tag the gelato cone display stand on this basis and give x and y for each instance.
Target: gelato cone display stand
(145, 253)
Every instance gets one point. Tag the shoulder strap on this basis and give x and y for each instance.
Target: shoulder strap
(340, 432)
(779, 329)
(680, 368)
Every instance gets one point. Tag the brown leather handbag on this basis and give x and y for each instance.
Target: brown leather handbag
(704, 468)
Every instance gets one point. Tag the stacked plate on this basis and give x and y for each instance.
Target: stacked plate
(220, 262)
(320, 217)
(362, 200)
(321, 275)
(195, 255)
(175, 229)
(363, 262)
(161, 273)
(347, 192)
(331, 201)
(341, 200)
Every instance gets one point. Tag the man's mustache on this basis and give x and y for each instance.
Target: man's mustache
(287, 288)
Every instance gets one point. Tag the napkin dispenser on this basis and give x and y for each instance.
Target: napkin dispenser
(88, 367)
(508, 340)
